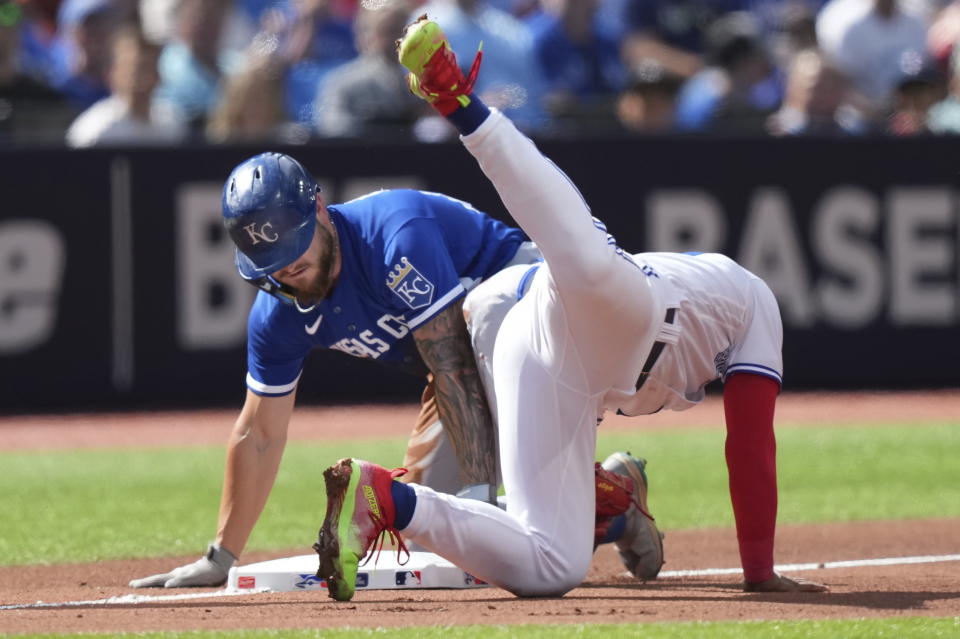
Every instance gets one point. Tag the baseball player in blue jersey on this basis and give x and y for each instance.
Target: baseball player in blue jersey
(381, 277)
(591, 329)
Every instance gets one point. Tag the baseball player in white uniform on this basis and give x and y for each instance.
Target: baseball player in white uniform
(593, 329)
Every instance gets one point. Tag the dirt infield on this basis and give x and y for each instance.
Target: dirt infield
(204, 427)
(928, 589)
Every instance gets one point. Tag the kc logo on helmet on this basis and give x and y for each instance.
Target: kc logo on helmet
(262, 234)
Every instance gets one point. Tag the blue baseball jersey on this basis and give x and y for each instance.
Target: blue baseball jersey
(406, 256)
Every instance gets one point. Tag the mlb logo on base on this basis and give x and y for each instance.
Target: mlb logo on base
(470, 580)
(408, 578)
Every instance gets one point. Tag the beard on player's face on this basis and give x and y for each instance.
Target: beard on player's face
(324, 258)
(312, 276)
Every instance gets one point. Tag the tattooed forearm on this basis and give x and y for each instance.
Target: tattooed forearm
(444, 345)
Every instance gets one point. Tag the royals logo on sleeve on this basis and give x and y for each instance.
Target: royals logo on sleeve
(410, 285)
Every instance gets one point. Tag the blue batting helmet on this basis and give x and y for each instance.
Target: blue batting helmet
(269, 210)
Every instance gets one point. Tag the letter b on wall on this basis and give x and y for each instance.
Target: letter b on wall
(212, 298)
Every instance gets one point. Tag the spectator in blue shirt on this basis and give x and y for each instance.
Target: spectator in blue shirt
(575, 55)
(317, 41)
(580, 62)
(722, 96)
(192, 63)
(80, 54)
(674, 32)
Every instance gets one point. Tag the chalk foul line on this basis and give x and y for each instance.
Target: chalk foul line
(133, 600)
(851, 563)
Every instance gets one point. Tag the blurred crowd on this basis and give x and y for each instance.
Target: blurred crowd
(111, 72)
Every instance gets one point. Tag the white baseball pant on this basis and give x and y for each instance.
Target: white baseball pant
(584, 327)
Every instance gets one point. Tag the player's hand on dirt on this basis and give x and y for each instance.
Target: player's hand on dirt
(209, 570)
(781, 583)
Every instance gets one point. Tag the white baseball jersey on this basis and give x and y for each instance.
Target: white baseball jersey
(722, 319)
(726, 320)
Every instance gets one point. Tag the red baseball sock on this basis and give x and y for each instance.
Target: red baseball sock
(751, 451)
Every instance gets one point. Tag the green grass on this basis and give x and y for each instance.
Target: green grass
(901, 628)
(825, 474)
(101, 504)
(90, 505)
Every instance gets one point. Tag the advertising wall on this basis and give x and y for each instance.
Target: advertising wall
(117, 285)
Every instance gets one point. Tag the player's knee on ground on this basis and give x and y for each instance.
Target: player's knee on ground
(566, 573)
